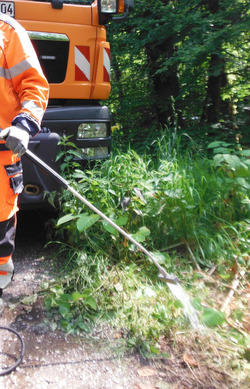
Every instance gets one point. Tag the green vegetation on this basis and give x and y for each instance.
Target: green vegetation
(187, 209)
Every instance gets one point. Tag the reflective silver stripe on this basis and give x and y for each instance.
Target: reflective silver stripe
(20, 68)
(2, 72)
(15, 70)
(33, 108)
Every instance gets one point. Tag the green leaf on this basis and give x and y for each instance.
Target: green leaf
(91, 302)
(245, 201)
(48, 303)
(86, 292)
(57, 290)
(212, 318)
(65, 219)
(83, 326)
(65, 298)
(59, 155)
(154, 350)
(225, 276)
(243, 171)
(160, 257)
(110, 228)
(64, 309)
(78, 174)
(76, 296)
(54, 303)
(141, 234)
(218, 160)
(246, 153)
(232, 160)
(218, 143)
(122, 221)
(86, 221)
(222, 150)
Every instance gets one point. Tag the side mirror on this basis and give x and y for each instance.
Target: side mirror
(129, 4)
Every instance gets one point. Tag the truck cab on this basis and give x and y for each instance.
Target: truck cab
(69, 37)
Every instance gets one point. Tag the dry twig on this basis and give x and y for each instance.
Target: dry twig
(193, 257)
(234, 286)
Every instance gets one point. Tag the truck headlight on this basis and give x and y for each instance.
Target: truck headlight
(94, 152)
(92, 130)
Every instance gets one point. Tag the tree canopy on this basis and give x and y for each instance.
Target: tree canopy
(181, 62)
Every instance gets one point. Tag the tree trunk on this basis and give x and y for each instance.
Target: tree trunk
(213, 104)
(166, 84)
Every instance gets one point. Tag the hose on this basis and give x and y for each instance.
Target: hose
(13, 367)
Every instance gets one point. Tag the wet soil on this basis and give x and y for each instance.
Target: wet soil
(54, 360)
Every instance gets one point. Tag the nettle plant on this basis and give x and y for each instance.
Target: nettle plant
(234, 163)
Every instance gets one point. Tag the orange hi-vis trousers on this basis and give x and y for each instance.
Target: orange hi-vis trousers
(11, 185)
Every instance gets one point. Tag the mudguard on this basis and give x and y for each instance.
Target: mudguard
(37, 184)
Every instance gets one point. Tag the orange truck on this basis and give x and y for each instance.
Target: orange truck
(69, 37)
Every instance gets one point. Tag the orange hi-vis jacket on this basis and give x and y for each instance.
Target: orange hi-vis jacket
(24, 95)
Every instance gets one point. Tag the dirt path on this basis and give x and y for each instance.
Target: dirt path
(53, 360)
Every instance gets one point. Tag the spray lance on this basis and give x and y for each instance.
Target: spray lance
(164, 276)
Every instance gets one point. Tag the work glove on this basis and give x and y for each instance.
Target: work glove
(17, 139)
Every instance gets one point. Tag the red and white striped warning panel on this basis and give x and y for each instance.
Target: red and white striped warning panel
(106, 64)
(82, 63)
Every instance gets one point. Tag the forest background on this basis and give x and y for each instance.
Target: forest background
(184, 60)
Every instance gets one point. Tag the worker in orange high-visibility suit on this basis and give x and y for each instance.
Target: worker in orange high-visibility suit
(23, 96)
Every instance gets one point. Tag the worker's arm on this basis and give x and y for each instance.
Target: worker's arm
(28, 80)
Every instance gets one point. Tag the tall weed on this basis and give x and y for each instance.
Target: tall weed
(183, 202)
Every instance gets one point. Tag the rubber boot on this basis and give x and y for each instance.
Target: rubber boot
(1, 303)
(6, 274)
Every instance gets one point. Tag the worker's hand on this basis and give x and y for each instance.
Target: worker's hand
(17, 139)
